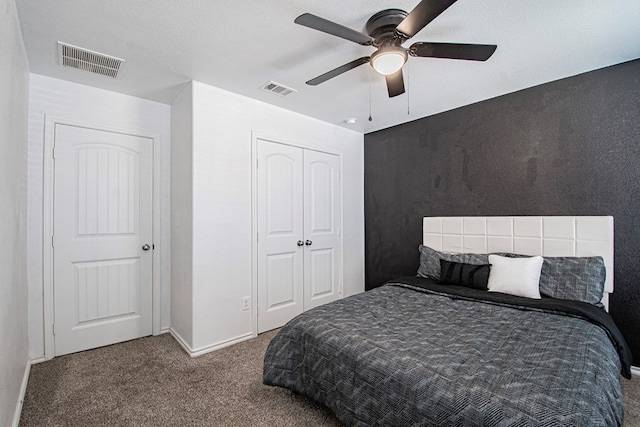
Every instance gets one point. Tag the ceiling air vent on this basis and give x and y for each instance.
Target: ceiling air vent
(88, 60)
(278, 89)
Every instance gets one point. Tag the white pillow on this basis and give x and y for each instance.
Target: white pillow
(515, 276)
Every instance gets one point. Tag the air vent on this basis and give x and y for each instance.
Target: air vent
(88, 60)
(278, 89)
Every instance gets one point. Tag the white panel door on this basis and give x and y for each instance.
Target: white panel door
(102, 224)
(280, 234)
(322, 224)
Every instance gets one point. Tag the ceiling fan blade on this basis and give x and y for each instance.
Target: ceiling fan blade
(425, 12)
(471, 52)
(337, 71)
(395, 83)
(329, 27)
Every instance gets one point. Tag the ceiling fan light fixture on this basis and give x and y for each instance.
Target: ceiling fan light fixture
(388, 59)
(387, 31)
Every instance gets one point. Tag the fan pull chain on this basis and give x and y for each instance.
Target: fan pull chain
(408, 89)
(370, 118)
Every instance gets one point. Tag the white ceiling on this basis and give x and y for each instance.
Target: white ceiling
(239, 45)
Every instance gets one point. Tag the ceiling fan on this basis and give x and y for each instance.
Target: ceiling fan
(387, 31)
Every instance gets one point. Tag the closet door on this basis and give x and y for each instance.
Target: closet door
(280, 234)
(322, 224)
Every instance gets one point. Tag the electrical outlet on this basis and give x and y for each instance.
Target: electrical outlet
(246, 303)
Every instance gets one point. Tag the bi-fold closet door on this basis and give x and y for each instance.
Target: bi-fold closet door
(299, 222)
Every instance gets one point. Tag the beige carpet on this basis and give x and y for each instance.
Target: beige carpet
(152, 382)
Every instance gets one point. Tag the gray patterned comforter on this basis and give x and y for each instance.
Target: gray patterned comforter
(396, 356)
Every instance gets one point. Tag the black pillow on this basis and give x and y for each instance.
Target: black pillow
(469, 275)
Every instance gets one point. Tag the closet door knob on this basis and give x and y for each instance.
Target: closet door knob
(146, 247)
(308, 242)
(300, 243)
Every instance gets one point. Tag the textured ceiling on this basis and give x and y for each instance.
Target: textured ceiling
(240, 45)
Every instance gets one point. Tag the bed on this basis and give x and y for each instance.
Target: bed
(419, 352)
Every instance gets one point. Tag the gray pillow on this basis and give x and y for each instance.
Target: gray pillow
(573, 278)
(430, 261)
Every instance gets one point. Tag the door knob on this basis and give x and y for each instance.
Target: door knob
(308, 242)
(300, 243)
(146, 247)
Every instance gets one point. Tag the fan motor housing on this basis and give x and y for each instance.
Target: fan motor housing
(382, 25)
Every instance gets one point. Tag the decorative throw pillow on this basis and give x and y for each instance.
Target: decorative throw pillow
(515, 276)
(430, 261)
(572, 278)
(469, 275)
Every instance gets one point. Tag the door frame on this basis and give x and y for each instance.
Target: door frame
(255, 136)
(50, 122)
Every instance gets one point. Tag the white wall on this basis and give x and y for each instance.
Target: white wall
(14, 88)
(224, 124)
(181, 208)
(78, 103)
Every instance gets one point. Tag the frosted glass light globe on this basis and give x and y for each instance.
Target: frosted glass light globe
(388, 61)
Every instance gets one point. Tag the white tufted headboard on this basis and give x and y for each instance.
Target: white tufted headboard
(528, 235)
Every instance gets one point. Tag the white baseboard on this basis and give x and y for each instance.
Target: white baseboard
(38, 360)
(635, 370)
(164, 331)
(23, 391)
(176, 336)
(208, 349)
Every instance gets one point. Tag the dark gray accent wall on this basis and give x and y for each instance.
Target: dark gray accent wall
(570, 147)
